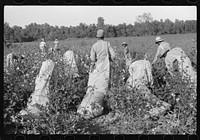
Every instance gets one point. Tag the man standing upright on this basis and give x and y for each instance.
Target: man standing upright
(56, 43)
(43, 46)
(127, 54)
(101, 54)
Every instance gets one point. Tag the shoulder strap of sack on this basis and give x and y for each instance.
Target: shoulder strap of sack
(108, 51)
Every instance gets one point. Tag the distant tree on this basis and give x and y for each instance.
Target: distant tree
(145, 17)
(155, 27)
(130, 30)
(100, 22)
(17, 32)
(110, 31)
(168, 27)
(8, 33)
(51, 36)
(145, 22)
(144, 25)
(139, 30)
(179, 26)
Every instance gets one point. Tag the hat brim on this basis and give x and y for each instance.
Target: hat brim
(98, 36)
(158, 41)
(124, 44)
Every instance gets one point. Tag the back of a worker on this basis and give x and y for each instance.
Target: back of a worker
(99, 53)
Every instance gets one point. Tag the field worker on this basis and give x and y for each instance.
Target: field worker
(40, 94)
(56, 43)
(12, 59)
(70, 64)
(162, 47)
(127, 54)
(141, 80)
(43, 46)
(140, 74)
(159, 72)
(184, 65)
(101, 54)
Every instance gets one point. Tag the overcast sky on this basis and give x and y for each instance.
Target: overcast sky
(73, 15)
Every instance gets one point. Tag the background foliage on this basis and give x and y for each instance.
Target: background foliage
(144, 25)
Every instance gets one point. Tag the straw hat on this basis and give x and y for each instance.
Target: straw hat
(124, 43)
(100, 33)
(158, 39)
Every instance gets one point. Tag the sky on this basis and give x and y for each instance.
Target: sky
(73, 15)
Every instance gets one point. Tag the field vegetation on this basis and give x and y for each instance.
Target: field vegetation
(125, 109)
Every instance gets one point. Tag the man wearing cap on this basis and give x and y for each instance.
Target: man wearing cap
(101, 54)
(127, 54)
(56, 42)
(162, 47)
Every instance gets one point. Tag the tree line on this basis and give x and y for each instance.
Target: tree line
(144, 25)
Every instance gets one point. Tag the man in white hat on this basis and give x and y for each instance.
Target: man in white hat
(43, 46)
(127, 54)
(162, 47)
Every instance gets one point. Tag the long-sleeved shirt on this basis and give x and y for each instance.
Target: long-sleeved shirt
(162, 48)
(43, 46)
(101, 54)
(99, 51)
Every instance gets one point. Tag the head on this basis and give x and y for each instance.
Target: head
(100, 34)
(158, 40)
(124, 44)
(56, 39)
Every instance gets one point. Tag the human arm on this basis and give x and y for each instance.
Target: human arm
(157, 54)
(92, 58)
(112, 53)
